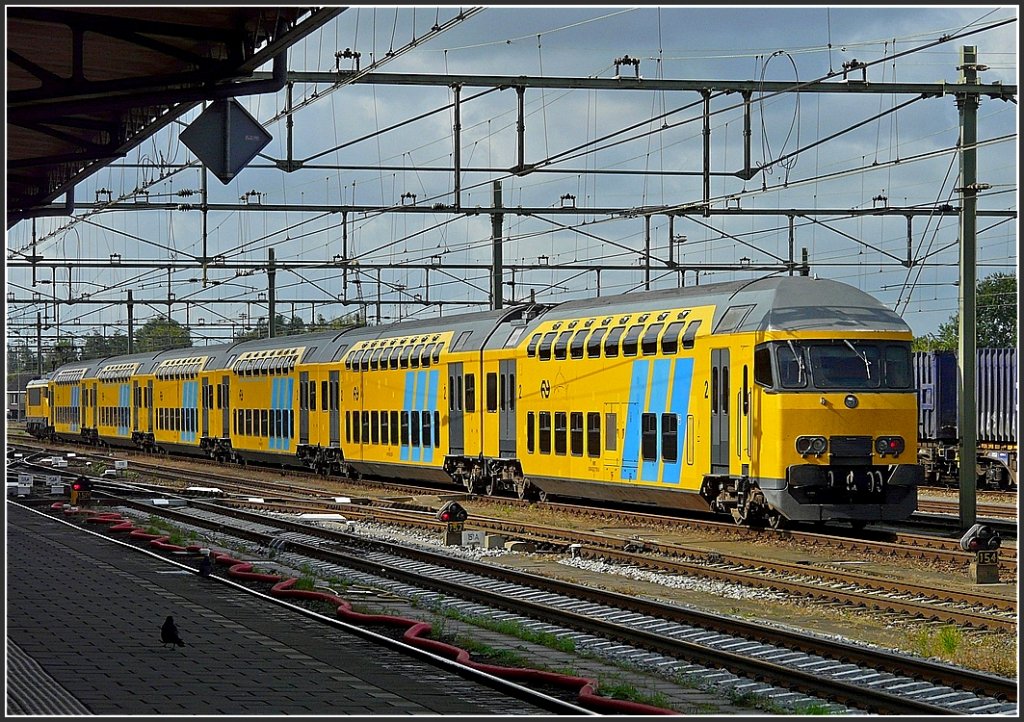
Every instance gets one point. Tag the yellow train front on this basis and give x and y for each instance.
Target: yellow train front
(38, 420)
(779, 399)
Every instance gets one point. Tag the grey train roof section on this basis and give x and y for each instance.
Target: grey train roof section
(784, 303)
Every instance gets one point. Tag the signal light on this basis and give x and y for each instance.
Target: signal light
(889, 445)
(452, 512)
(980, 538)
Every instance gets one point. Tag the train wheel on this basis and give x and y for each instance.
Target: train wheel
(858, 524)
(542, 495)
(775, 520)
(491, 486)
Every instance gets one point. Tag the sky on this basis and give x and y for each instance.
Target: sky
(392, 145)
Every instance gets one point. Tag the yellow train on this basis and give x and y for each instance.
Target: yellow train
(776, 399)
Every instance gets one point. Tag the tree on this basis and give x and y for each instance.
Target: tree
(97, 346)
(996, 318)
(161, 334)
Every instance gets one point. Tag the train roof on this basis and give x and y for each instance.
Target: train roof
(781, 303)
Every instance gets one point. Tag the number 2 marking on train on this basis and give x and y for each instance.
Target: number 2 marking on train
(705, 389)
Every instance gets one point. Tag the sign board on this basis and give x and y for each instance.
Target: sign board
(473, 538)
(121, 463)
(24, 479)
(988, 557)
(225, 138)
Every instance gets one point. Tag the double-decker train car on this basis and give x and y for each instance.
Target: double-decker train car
(996, 411)
(775, 399)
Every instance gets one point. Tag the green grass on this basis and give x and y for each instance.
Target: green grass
(629, 692)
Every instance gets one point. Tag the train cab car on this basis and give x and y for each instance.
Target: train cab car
(38, 419)
(775, 399)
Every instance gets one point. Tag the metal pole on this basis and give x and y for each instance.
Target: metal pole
(271, 292)
(131, 324)
(496, 250)
(647, 253)
(39, 343)
(967, 102)
(457, 143)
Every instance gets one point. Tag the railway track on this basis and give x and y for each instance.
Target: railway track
(862, 678)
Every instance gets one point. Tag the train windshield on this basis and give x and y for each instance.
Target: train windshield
(834, 365)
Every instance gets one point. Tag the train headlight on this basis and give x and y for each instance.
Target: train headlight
(811, 445)
(889, 445)
(850, 401)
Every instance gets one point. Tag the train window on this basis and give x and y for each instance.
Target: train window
(366, 426)
(425, 356)
(462, 340)
(385, 434)
(323, 393)
(691, 334)
(348, 427)
(356, 428)
(792, 366)
(451, 393)
(435, 355)
(579, 343)
(631, 341)
(414, 356)
(593, 434)
(393, 357)
(544, 350)
(560, 433)
(492, 392)
(649, 344)
(529, 431)
(562, 344)
(414, 432)
(264, 421)
(427, 435)
(403, 357)
(845, 366)
(405, 428)
(576, 433)
(375, 427)
(732, 318)
(248, 422)
(437, 429)
(364, 360)
(725, 390)
(470, 392)
(375, 359)
(511, 392)
(594, 344)
(649, 437)
(669, 438)
(502, 393)
(531, 349)
(312, 395)
(611, 431)
(763, 366)
(394, 428)
(611, 344)
(544, 424)
(898, 369)
(458, 393)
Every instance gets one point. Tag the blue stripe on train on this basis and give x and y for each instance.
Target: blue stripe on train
(428, 449)
(410, 383)
(656, 405)
(679, 405)
(637, 397)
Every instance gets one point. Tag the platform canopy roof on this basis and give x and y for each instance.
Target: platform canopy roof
(85, 85)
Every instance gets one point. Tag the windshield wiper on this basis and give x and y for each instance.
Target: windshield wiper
(862, 357)
(799, 361)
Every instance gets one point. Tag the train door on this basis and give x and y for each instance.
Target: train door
(93, 406)
(304, 407)
(720, 411)
(225, 408)
(136, 393)
(456, 419)
(149, 407)
(507, 392)
(334, 390)
(207, 403)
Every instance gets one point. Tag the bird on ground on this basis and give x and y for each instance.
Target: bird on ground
(169, 633)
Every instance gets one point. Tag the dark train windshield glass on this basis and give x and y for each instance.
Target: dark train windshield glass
(843, 365)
